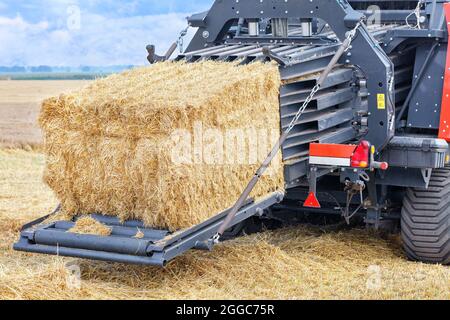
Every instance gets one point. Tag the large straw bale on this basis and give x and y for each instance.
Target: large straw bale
(112, 147)
(154, 100)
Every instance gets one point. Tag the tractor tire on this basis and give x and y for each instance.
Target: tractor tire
(425, 222)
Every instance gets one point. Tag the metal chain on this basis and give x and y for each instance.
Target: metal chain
(345, 46)
(350, 36)
(303, 108)
(416, 12)
(180, 41)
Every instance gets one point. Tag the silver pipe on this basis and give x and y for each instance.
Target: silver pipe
(253, 28)
(280, 27)
(306, 27)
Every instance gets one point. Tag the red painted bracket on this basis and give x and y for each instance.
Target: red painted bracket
(444, 127)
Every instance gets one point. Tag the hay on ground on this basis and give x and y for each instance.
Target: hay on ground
(170, 144)
(88, 225)
(139, 234)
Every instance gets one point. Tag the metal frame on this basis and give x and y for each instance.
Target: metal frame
(157, 247)
(341, 17)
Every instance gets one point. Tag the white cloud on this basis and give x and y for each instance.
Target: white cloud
(21, 25)
(99, 41)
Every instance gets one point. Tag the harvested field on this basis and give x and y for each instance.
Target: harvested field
(114, 146)
(20, 103)
(295, 263)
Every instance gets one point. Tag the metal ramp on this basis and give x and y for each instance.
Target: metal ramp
(156, 247)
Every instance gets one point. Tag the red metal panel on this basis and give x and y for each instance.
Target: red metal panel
(331, 150)
(444, 128)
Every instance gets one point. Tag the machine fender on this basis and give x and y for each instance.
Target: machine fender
(444, 126)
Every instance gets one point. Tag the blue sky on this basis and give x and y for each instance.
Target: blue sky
(89, 32)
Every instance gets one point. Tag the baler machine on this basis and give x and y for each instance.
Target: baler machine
(365, 117)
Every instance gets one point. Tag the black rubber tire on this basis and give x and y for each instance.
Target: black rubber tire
(425, 220)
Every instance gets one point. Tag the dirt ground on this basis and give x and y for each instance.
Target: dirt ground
(20, 105)
(295, 263)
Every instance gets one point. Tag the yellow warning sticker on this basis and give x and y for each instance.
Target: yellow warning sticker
(381, 100)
